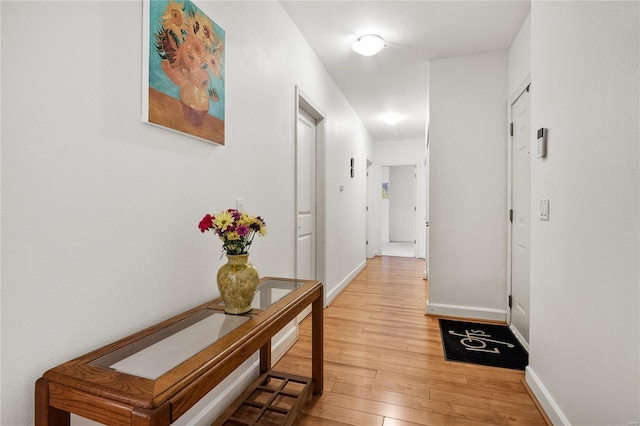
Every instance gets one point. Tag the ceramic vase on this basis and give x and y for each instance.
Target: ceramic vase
(237, 283)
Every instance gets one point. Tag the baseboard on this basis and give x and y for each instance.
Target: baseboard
(342, 284)
(533, 397)
(209, 408)
(471, 312)
(280, 346)
(544, 398)
(518, 336)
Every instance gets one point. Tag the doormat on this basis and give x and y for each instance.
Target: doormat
(485, 344)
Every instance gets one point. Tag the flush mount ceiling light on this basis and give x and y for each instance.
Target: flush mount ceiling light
(368, 45)
(391, 118)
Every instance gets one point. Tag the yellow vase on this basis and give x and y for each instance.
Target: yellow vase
(237, 283)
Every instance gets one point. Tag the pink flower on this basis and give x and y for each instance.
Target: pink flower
(242, 230)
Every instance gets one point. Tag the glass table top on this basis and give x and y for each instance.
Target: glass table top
(271, 291)
(155, 360)
(156, 354)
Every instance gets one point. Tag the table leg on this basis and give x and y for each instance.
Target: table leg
(265, 357)
(317, 337)
(161, 416)
(45, 414)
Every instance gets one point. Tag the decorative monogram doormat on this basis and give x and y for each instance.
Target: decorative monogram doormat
(485, 344)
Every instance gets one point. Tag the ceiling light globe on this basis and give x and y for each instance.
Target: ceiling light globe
(368, 45)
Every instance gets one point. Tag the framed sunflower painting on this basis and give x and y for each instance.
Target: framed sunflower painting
(183, 70)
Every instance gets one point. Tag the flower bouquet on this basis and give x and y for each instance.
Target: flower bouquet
(235, 228)
(237, 279)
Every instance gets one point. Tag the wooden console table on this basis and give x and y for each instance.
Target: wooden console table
(154, 376)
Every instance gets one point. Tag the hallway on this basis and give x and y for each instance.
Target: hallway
(384, 362)
(399, 249)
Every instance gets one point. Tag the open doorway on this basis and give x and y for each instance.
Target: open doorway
(398, 211)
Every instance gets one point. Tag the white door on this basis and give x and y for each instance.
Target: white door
(305, 196)
(426, 240)
(520, 224)
(369, 216)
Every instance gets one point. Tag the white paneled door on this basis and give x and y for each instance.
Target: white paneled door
(521, 219)
(306, 196)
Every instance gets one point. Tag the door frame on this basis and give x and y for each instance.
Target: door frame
(370, 217)
(302, 101)
(512, 100)
(427, 160)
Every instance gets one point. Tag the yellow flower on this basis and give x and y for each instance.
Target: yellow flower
(202, 27)
(190, 59)
(245, 220)
(173, 17)
(215, 63)
(233, 236)
(223, 220)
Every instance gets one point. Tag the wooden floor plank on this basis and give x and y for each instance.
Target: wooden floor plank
(472, 414)
(384, 361)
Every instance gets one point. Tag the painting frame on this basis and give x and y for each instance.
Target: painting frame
(385, 190)
(183, 70)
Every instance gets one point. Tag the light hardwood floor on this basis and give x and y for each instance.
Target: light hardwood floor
(384, 363)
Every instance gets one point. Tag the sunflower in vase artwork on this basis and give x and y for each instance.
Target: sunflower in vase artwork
(191, 51)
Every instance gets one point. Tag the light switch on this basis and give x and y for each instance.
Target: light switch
(544, 209)
(240, 204)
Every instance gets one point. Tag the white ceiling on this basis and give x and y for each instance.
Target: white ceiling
(395, 80)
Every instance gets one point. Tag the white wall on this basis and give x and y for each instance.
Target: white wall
(519, 58)
(100, 211)
(468, 182)
(387, 153)
(585, 328)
